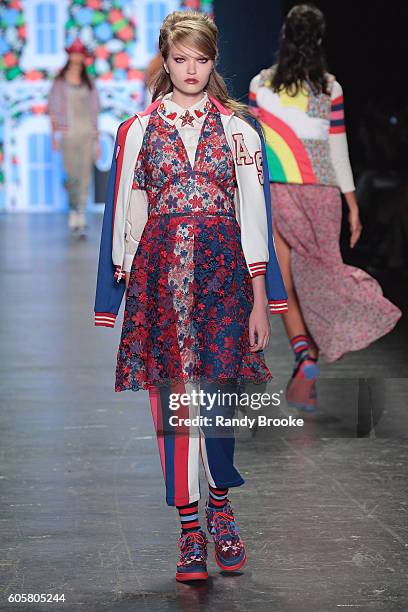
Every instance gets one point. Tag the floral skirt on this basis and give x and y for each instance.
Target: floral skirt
(187, 306)
(343, 307)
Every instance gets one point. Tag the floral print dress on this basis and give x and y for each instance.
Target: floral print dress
(190, 293)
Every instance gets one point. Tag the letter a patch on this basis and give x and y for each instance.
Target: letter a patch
(242, 155)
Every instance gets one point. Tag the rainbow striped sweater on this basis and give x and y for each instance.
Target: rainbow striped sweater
(305, 134)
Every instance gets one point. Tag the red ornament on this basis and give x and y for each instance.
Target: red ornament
(135, 74)
(121, 60)
(102, 52)
(33, 75)
(115, 15)
(38, 109)
(125, 33)
(9, 59)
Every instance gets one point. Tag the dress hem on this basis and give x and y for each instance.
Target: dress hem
(241, 381)
(365, 343)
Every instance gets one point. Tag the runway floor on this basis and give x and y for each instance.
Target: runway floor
(323, 512)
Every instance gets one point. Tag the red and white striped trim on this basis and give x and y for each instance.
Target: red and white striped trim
(105, 319)
(278, 306)
(257, 268)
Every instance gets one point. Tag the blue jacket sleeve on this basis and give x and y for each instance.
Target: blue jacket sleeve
(275, 288)
(109, 291)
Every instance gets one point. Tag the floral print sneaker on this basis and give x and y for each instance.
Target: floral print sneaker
(193, 556)
(229, 552)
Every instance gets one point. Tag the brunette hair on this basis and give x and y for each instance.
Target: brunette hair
(84, 75)
(198, 31)
(300, 57)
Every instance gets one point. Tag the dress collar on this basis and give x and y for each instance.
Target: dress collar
(193, 115)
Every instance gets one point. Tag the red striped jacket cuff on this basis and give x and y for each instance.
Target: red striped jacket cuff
(337, 129)
(105, 319)
(258, 268)
(278, 306)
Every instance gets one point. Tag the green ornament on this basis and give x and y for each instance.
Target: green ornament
(13, 72)
(98, 18)
(122, 23)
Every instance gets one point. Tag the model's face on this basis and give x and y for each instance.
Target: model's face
(188, 68)
(76, 59)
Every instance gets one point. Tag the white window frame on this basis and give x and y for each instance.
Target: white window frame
(31, 59)
(36, 125)
(142, 55)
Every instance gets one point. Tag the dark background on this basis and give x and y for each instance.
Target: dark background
(365, 44)
(366, 48)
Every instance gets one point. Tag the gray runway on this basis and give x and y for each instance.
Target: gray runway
(324, 509)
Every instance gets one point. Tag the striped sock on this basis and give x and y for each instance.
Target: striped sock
(217, 498)
(300, 345)
(189, 517)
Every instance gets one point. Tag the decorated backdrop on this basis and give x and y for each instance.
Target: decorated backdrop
(33, 35)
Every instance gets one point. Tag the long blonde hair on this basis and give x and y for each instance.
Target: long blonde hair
(198, 31)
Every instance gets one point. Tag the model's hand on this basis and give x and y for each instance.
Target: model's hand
(353, 217)
(55, 143)
(127, 276)
(355, 225)
(259, 324)
(97, 150)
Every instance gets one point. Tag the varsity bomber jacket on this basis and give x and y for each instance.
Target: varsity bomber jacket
(254, 213)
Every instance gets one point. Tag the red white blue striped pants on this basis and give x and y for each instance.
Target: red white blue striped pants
(182, 447)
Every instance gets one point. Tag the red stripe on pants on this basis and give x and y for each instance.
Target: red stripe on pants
(181, 445)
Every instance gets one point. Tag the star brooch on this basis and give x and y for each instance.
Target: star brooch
(187, 118)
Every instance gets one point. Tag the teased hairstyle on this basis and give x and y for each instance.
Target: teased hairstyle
(198, 31)
(84, 74)
(300, 57)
